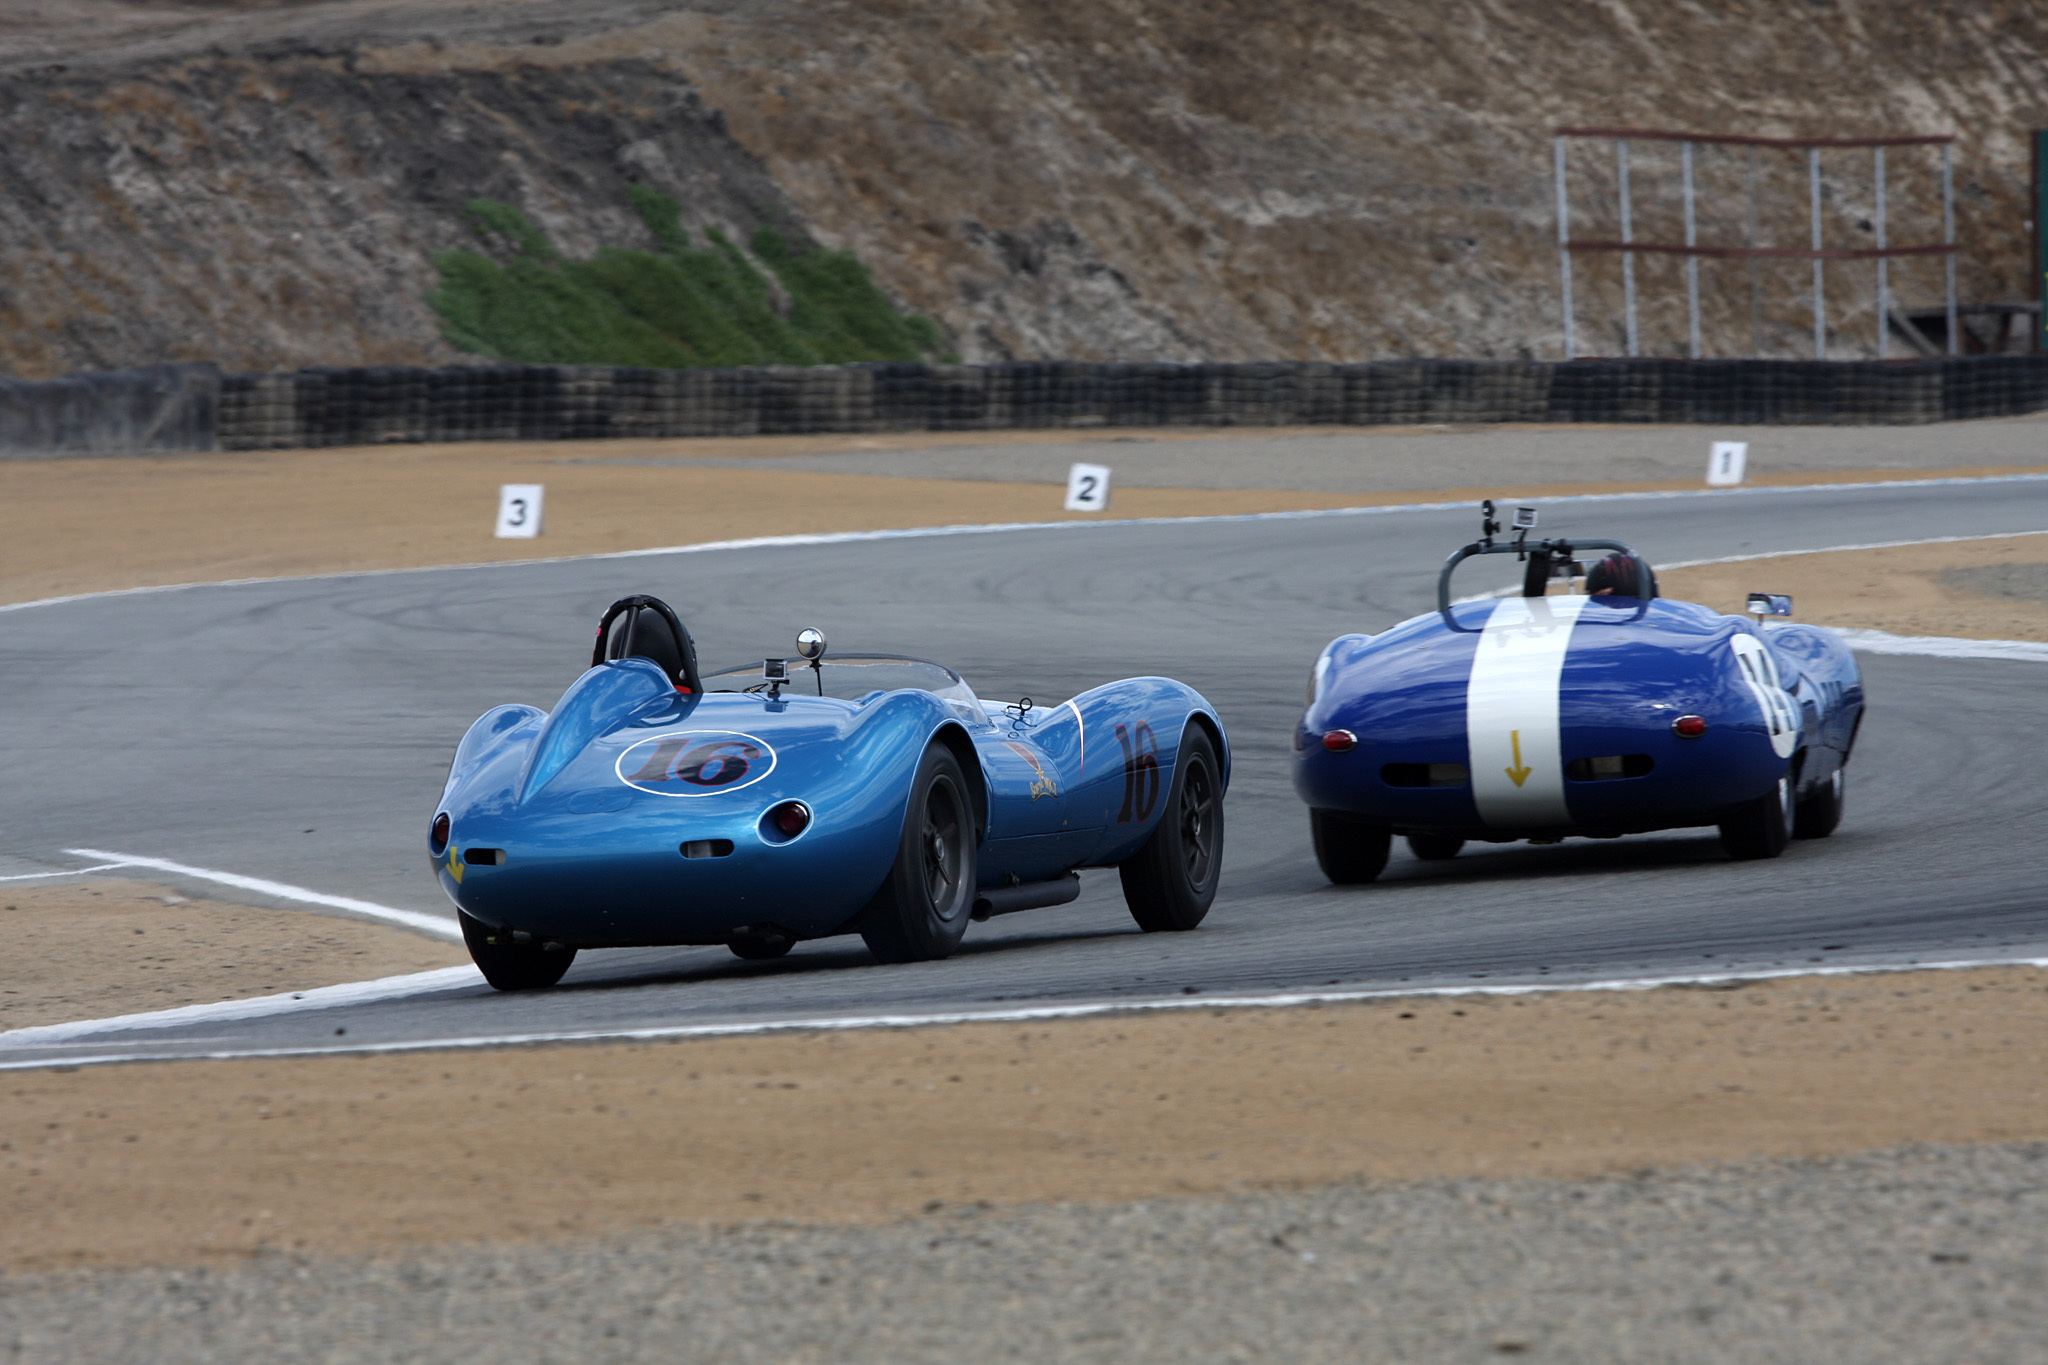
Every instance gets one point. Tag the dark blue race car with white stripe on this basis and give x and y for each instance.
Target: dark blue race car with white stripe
(1596, 714)
(802, 798)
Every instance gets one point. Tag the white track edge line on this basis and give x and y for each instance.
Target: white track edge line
(411, 919)
(1843, 549)
(1942, 646)
(1025, 1015)
(254, 1007)
(997, 528)
(74, 872)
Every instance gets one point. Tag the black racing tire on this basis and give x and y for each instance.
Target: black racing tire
(1170, 882)
(922, 909)
(761, 949)
(1762, 828)
(1818, 812)
(510, 966)
(1350, 851)
(1435, 848)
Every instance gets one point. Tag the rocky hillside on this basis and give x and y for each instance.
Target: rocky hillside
(264, 184)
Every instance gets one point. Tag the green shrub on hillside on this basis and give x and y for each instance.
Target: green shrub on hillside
(678, 308)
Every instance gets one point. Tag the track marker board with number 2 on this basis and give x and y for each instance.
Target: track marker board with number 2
(1088, 488)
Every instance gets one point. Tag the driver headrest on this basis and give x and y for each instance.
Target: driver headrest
(1623, 576)
(648, 628)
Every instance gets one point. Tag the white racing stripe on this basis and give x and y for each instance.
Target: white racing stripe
(1511, 712)
(1024, 1015)
(436, 925)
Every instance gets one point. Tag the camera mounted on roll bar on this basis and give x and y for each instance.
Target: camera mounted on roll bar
(1489, 527)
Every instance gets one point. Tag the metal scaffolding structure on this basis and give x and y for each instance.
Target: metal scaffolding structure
(1692, 250)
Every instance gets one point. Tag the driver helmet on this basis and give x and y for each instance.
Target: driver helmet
(1621, 575)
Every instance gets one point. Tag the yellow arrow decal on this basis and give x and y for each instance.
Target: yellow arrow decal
(1517, 774)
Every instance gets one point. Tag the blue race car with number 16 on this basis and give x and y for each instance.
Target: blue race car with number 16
(801, 798)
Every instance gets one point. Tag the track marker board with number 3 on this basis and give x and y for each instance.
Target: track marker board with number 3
(1088, 488)
(519, 506)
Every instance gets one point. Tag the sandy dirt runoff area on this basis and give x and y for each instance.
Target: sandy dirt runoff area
(177, 1161)
(90, 950)
(1994, 589)
(185, 1160)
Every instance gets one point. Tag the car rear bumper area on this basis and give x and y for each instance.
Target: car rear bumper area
(1679, 788)
(669, 896)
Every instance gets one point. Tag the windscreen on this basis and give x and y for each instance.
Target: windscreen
(850, 677)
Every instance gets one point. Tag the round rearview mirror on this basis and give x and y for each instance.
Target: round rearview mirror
(810, 642)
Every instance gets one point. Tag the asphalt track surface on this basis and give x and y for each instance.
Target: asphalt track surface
(300, 731)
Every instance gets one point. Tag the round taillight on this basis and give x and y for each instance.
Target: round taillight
(437, 838)
(1689, 727)
(790, 819)
(1340, 741)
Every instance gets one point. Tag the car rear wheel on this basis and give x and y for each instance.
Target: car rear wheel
(513, 966)
(1819, 812)
(1435, 848)
(1763, 827)
(921, 912)
(1348, 849)
(1170, 883)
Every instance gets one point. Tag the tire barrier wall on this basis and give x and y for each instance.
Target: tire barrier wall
(546, 403)
(112, 412)
(194, 407)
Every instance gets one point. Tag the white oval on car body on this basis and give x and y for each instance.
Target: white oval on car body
(695, 762)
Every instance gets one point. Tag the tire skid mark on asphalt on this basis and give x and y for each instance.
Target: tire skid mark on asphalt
(447, 978)
(1001, 528)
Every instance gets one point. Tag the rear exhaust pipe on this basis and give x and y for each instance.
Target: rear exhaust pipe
(1008, 900)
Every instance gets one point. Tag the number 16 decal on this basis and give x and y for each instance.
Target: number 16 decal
(1141, 772)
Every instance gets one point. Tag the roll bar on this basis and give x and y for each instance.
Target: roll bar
(685, 676)
(1542, 557)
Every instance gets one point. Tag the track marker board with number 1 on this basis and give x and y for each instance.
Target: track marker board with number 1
(519, 507)
(1088, 488)
(1725, 465)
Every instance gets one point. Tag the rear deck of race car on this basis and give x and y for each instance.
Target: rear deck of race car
(1403, 755)
(640, 838)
